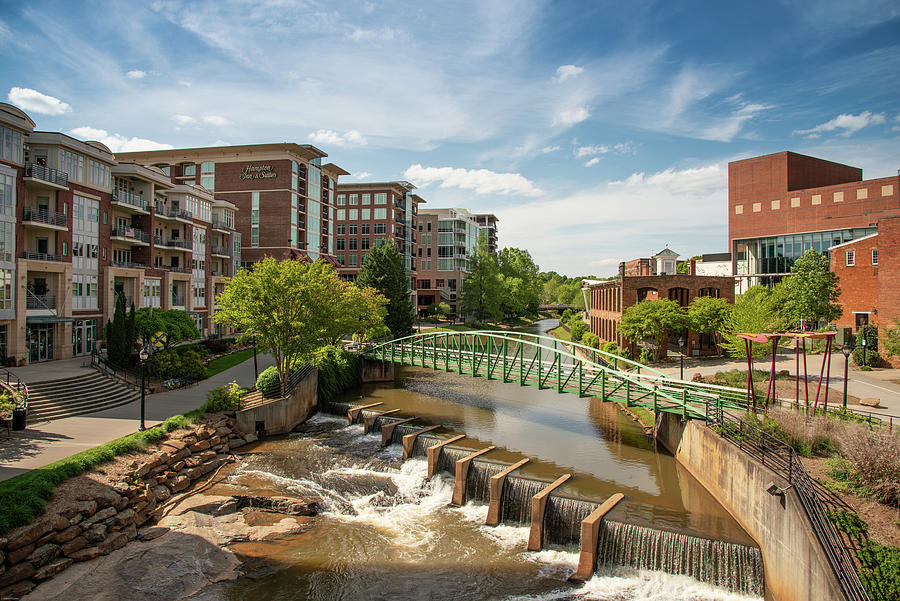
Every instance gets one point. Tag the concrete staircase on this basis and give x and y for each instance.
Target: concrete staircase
(87, 393)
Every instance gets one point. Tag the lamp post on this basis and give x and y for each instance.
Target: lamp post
(681, 348)
(865, 358)
(255, 367)
(847, 349)
(143, 355)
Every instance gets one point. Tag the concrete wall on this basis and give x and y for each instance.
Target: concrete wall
(796, 568)
(282, 415)
(377, 371)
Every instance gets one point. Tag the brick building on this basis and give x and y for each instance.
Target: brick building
(783, 204)
(488, 224)
(869, 278)
(639, 280)
(369, 214)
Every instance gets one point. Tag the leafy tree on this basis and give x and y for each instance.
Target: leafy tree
(577, 330)
(120, 333)
(892, 340)
(653, 319)
(811, 292)
(383, 270)
(482, 289)
(685, 266)
(520, 279)
(709, 315)
(590, 339)
(177, 325)
(292, 308)
(754, 312)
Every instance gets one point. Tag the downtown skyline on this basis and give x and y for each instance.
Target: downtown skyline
(609, 128)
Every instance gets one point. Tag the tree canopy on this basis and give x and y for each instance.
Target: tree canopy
(709, 315)
(811, 292)
(292, 308)
(177, 325)
(383, 270)
(120, 333)
(482, 290)
(754, 311)
(653, 319)
(520, 282)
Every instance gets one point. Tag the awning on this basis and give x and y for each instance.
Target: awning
(41, 319)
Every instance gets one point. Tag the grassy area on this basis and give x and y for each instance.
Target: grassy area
(646, 416)
(880, 564)
(561, 332)
(24, 496)
(227, 361)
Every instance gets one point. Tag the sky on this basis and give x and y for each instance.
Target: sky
(597, 132)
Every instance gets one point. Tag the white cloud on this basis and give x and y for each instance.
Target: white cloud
(588, 151)
(136, 74)
(847, 123)
(327, 137)
(184, 120)
(482, 181)
(564, 72)
(215, 120)
(569, 117)
(549, 149)
(184, 82)
(361, 175)
(117, 142)
(221, 143)
(34, 101)
(592, 162)
(383, 34)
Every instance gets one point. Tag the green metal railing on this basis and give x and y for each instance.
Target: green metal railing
(534, 360)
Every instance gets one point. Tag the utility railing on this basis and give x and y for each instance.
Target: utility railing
(42, 215)
(14, 385)
(277, 390)
(131, 233)
(43, 173)
(779, 457)
(40, 301)
(130, 199)
(132, 380)
(40, 256)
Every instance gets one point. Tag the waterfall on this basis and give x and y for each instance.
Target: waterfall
(336, 408)
(729, 565)
(478, 480)
(423, 443)
(402, 430)
(562, 519)
(517, 493)
(449, 456)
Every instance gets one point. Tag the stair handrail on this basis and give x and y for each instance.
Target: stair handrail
(18, 389)
(101, 364)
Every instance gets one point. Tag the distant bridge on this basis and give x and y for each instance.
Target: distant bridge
(534, 360)
(559, 307)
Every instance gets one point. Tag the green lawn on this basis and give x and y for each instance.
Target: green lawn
(561, 332)
(227, 361)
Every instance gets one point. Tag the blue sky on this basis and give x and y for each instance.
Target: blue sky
(597, 132)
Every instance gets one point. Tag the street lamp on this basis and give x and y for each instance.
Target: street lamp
(847, 349)
(143, 355)
(681, 348)
(255, 367)
(865, 358)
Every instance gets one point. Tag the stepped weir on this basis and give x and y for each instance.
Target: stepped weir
(556, 518)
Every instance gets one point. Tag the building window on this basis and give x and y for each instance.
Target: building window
(380, 214)
(341, 199)
(254, 219)
(208, 175)
(354, 229)
(874, 256)
(851, 258)
(341, 229)
(364, 244)
(341, 214)
(351, 259)
(7, 194)
(72, 164)
(354, 199)
(354, 214)
(353, 243)
(367, 199)
(10, 146)
(379, 227)
(381, 198)
(190, 170)
(98, 174)
(365, 214)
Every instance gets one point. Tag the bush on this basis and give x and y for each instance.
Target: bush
(872, 358)
(223, 398)
(646, 356)
(566, 316)
(610, 347)
(880, 570)
(876, 458)
(268, 383)
(174, 363)
(217, 346)
(577, 330)
(338, 371)
(807, 435)
(590, 339)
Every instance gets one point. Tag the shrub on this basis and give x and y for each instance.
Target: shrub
(577, 330)
(646, 356)
(174, 363)
(590, 339)
(217, 346)
(610, 347)
(223, 398)
(338, 371)
(625, 353)
(880, 570)
(267, 382)
(566, 316)
(872, 358)
(876, 458)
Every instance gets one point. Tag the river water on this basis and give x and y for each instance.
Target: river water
(388, 532)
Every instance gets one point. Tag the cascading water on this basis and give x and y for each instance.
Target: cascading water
(733, 566)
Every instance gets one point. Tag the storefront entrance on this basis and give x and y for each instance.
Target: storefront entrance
(39, 340)
(84, 333)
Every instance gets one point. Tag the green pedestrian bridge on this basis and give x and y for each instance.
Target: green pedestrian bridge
(534, 360)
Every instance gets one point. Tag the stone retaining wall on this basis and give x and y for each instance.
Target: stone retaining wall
(102, 518)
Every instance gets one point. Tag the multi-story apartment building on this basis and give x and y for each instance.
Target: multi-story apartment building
(780, 205)
(77, 226)
(283, 194)
(488, 223)
(370, 214)
(447, 239)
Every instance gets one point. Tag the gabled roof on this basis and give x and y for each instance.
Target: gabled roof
(666, 252)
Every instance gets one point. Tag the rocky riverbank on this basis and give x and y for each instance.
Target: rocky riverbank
(79, 547)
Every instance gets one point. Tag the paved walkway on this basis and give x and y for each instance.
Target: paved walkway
(883, 384)
(46, 442)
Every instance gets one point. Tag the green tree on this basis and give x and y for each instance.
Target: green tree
(653, 319)
(177, 325)
(482, 290)
(292, 308)
(810, 293)
(521, 282)
(117, 348)
(685, 266)
(754, 312)
(709, 315)
(383, 270)
(891, 342)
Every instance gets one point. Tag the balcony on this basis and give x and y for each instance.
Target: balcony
(41, 257)
(178, 301)
(220, 225)
(129, 265)
(220, 251)
(131, 203)
(175, 243)
(45, 302)
(130, 235)
(174, 214)
(176, 269)
(46, 177)
(44, 218)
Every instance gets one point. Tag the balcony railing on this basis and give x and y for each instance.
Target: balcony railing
(162, 211)
(219, 224)
(220, 250)
(131, 233)
(172, 243)
(129, 265)
(59, 178)
(177, 269)
(40, 256)
(128, 198)
(42, 215)
(177, 301)
(40, 301)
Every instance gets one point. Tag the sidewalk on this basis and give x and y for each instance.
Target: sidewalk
(881, 384)
(46, 442)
